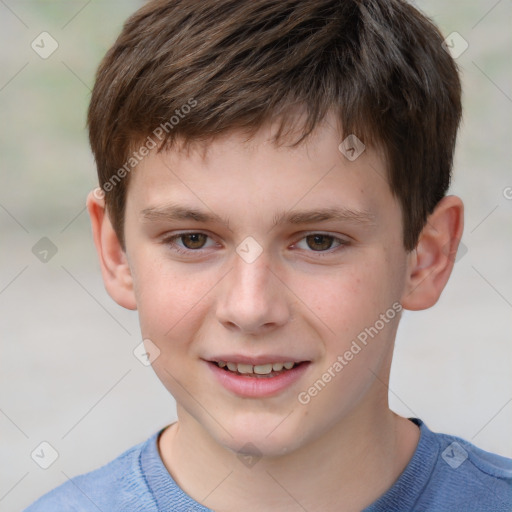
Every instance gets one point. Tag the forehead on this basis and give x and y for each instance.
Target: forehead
(234, 176)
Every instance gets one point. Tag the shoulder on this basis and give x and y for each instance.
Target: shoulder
(447, 472)
(118, 485)
(467, 477)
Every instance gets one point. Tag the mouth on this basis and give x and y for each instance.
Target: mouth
(261, 380)
(261, 371)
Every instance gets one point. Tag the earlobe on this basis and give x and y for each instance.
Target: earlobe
(431, 262)
(115, 268)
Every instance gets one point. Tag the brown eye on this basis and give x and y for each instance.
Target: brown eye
(193, 240)
(189, 244)
(319, 242)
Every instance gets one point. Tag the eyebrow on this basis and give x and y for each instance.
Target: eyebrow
(174, 212)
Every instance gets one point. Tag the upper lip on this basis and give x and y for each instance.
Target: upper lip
(255, 360)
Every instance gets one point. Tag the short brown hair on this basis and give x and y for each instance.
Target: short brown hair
(378, 64)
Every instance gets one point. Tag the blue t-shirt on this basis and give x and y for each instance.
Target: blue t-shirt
(445, 474)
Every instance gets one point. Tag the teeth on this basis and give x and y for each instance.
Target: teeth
(244, 368)
(263, 369)
(259, 369)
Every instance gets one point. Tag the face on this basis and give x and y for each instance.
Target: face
(256, 256)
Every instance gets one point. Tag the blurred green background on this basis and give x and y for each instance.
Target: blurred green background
(68, 374)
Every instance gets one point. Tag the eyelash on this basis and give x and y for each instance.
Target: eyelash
(170, 241)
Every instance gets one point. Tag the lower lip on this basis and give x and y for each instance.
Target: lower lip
(257, 387)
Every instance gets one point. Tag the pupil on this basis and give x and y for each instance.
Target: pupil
(195, 244)
(318, 240)
(197, 240)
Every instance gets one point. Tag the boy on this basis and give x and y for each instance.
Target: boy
(273, 177)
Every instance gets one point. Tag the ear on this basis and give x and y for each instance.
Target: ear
(431, 262)
(115, 269)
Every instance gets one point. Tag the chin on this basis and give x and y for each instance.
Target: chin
(261, 435)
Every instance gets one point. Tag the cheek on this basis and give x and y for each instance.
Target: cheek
(357, 339)
(347, 298)
(172, 306)
(169, 301)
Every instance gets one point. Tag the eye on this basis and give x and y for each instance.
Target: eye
(195, 242)
(322, 243)
(192, 242)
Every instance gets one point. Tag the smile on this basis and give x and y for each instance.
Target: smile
(266, 370)
(257, 381)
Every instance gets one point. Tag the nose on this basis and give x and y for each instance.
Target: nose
(253, 300)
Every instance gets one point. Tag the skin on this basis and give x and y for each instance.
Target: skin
(343, 447)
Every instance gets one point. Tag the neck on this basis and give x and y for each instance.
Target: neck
(351, 464)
